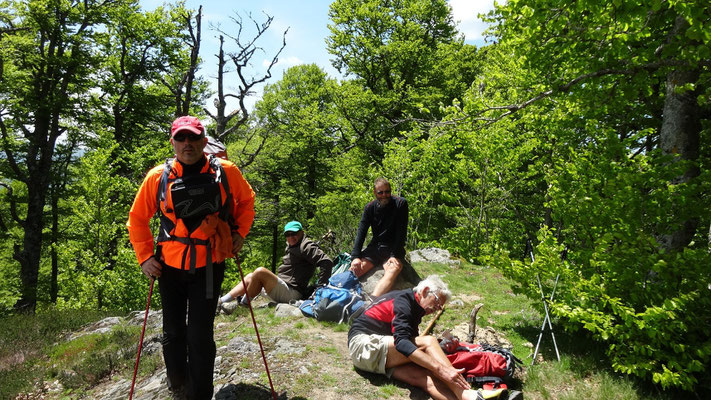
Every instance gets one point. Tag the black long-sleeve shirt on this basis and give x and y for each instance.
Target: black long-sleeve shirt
(300, 262)
(389, 225)
(394, 313)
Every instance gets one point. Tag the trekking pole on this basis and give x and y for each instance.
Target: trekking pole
(254, 322)
(547, 318)
(140, 342)
(432, 323)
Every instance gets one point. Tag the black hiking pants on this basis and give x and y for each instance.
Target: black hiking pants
(189, 347)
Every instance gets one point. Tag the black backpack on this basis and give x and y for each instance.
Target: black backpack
(199, 196)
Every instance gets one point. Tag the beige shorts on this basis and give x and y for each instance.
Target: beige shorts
(283, 293)
(370, 352)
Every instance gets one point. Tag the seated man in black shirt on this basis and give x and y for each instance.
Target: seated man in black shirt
(385, 339)
(387, 216)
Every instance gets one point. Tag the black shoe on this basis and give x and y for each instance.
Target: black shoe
(178, 394)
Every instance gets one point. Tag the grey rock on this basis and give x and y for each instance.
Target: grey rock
(151, 344)
(284, 346)
(155, 318)
(433, 255)
(456, 303)
(243, 345)
(283, 310)
(103, 326)
(408, 278)
(117, 391)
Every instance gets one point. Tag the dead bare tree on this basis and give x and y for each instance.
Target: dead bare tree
(225, 122)
(182, 88)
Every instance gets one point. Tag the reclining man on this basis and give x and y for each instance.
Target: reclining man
(298, 266)
(385, 339)
(387, 216)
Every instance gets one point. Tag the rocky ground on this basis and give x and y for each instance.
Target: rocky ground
(307, 359)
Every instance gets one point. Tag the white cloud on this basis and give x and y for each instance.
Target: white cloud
(465, 13)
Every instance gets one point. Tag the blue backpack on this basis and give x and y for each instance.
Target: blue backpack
(335, 301)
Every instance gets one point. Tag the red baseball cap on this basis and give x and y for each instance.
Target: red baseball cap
(187, 123)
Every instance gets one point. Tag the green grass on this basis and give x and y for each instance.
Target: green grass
(582, 373)
(84, 361)
(505, 311)
(32, 337)
(328, 350)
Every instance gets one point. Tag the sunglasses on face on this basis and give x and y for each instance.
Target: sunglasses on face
(381, 192)
(290, 233)
(183, 137)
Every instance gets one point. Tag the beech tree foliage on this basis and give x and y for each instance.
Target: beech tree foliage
(58, 58)
(581, 126)
(624, 87)
(407, 59)
(47, 67)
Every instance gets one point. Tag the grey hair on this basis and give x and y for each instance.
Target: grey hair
(434, 282)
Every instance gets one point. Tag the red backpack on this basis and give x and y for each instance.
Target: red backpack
(484, 363)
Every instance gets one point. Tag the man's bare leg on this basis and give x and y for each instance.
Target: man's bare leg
(422, 378)
(430, 345)
(260, 278)
(392, 269)
(413, 374)
(362, 268)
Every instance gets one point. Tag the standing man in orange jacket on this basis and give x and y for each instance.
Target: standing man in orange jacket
(206, 209)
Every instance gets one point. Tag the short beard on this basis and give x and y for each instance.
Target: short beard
(384, 202)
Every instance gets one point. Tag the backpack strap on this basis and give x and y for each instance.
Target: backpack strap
(167, 226)
(161, 193)
(190, 250)
(221, 177)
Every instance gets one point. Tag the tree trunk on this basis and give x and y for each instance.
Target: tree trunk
(55, 239)
(195, 35)
(29, 256)
(39, 171)
(680, 135)
(220, 103)
(275, 244)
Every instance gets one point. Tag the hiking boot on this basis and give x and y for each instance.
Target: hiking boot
(229, 307)
(178, 393)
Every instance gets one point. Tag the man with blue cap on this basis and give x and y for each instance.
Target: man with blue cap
(302, 256)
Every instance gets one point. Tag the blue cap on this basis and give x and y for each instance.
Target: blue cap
(292, 226)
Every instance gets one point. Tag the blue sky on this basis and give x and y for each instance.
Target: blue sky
(307, 21)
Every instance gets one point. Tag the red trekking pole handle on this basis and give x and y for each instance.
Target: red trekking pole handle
(140, 343)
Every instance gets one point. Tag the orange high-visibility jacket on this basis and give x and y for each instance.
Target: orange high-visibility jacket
(172, 253)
